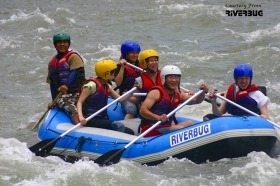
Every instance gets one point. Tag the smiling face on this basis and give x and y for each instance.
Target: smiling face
(243, 82)
(152, 64)
(132, 56)
(62, 46)
(172, 81)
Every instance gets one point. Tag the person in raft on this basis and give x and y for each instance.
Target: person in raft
(149, 61)
(242, 92)
(65, 74)
(94, 96)
(161, 100)
(125, 75)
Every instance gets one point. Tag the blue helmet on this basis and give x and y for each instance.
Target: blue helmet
(243, 70)
(129, 46)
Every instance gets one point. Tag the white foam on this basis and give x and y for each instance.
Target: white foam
(260, 168)
(12, 149)
(21, 16)
(258, 34)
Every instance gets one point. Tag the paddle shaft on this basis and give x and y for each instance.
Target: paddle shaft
(115, 155)
(136, 67)
(168, 115)
(245, 109)
(142, 70)
(143, 94)
(42, 117)
(54, 102)
(139, 94)
(90, 117)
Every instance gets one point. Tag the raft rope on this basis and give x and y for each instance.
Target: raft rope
(79, 146)
(68, 146)
(81, 142)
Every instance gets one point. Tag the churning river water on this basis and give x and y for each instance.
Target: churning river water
(206, 39)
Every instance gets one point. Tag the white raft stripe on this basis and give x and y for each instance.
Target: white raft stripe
(176, 149)
(97, 131)
(202, 141)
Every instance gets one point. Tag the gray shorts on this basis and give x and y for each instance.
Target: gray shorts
(129, 108)
(68, 103)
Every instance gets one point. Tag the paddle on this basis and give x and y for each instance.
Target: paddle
(139, 94)
(136, 67)
(144, 94)
(35, 126)
(142, 70)
(262, 89)
(245, 109)
(44, 147)
(114, 156)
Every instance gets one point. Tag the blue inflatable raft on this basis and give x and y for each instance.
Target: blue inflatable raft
(224, 137)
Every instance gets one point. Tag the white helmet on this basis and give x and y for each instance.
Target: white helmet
(169, 70)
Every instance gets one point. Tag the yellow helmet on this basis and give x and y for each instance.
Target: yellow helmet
(146, 54)
(103, 68)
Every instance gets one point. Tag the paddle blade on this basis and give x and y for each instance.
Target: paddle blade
(34, 126)
(43, 147)
(110, 157)
(31, 126)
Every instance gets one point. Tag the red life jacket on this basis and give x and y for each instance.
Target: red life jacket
(147, 83)
(242, 98)
(164, 105)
